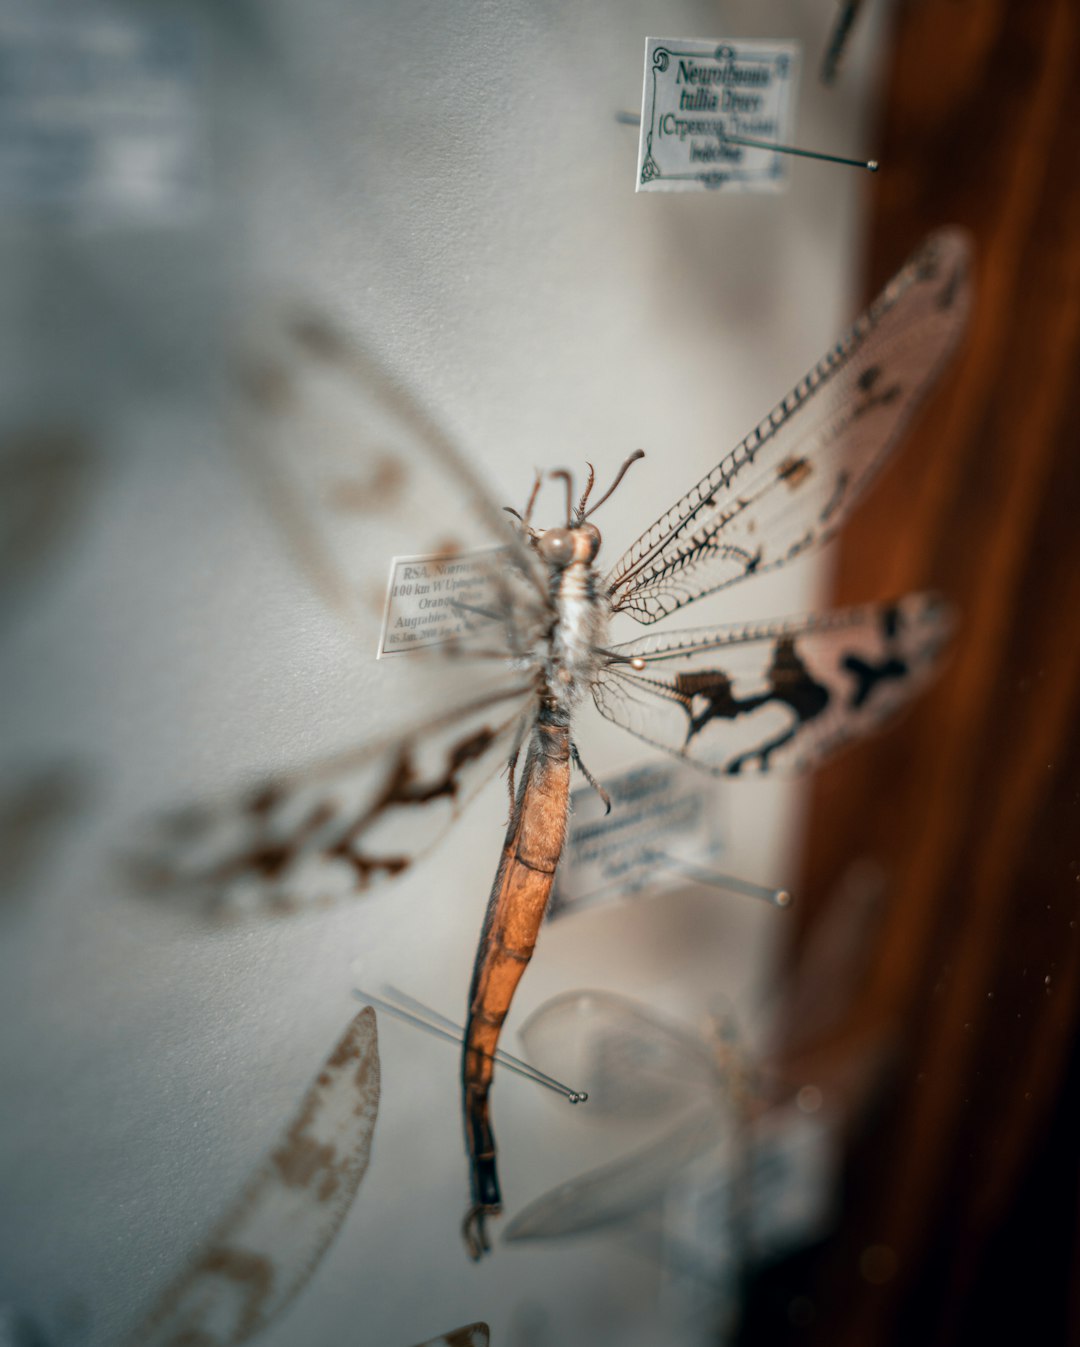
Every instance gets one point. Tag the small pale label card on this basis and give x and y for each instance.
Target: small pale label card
(665, 817)
(701, 99)
(437, 599)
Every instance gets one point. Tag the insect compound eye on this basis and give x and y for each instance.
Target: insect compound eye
(592, 536)
(556, 546)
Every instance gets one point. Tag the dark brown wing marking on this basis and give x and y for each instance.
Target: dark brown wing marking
(405, 787)
(380, 488)
(789, 683)
(333, 830)
(793, 480)
(794, 471)
(780, 694)
(269, 1243)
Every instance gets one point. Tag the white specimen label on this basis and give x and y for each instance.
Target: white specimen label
(662, 815)
(434, 599)
(101, 113)
(698, 94)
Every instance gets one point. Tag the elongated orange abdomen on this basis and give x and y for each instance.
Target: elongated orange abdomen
(519, 899)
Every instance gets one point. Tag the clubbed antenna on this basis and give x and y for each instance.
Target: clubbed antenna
(585, 494)
(638, 453)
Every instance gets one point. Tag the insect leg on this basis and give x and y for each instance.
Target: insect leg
(580, 765)
(511, 781)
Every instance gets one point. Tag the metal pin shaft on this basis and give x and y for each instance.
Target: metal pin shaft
(871, 165)
(713, 878)
(423, 1017)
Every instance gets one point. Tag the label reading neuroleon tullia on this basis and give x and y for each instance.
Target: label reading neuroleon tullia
(698, 96)
(432, 600)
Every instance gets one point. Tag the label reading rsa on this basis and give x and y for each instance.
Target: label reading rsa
(434, 599)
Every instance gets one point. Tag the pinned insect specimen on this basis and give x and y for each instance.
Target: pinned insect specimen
(267, 1246)
(356, 470)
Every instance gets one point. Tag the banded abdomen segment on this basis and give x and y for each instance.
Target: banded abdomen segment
(519, 898)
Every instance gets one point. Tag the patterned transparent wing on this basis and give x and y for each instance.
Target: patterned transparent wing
(775, 695)
(791, 483)
(631, 1062)
(336, 828)
(636, 1066)
(618, 1191)
(266, 1247)
(358, 473)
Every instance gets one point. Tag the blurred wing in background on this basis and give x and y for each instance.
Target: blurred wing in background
(46, 480)
(358, 476)
(636, 1068)
(271, 1241)
(630, 1061)
(357, 473)
(617, 1192)
(333, 829)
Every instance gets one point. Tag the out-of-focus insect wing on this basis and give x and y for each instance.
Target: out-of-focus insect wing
(334, 828)
(794, 479)
(358, 473)
(630, 1061)
(784, 694)
(472, 1335)
(45, 481)
(267, 1246)
(34, 809)
(618, 1191)
(636, 1066)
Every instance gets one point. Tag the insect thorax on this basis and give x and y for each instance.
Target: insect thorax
(581, 626)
